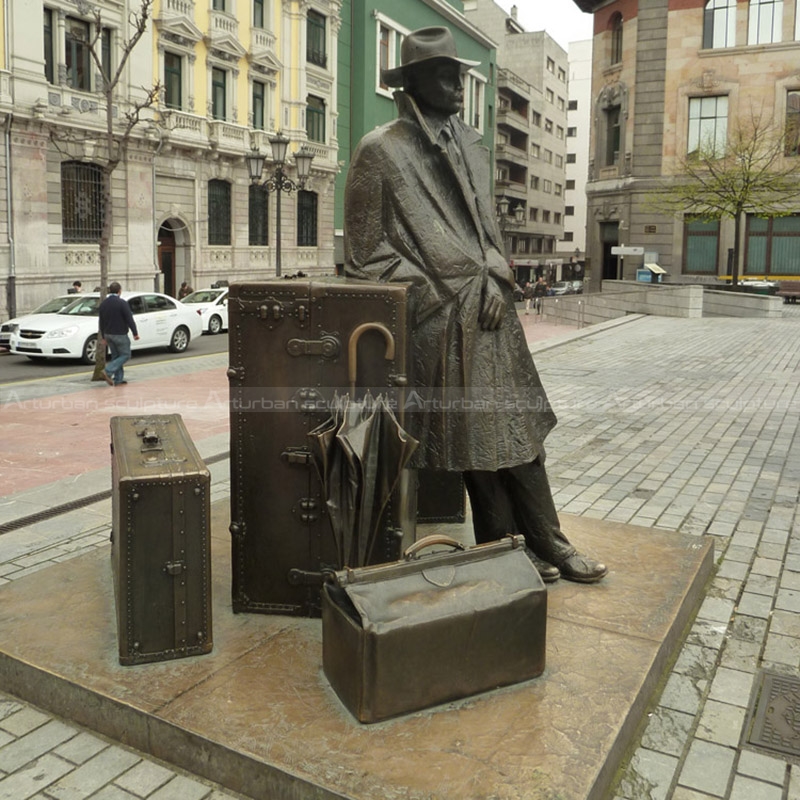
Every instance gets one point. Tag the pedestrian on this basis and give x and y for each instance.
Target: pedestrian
(539, 292)
(184, 290)
(76, 288)
(115, 321)
(527, 294)
(418, 209)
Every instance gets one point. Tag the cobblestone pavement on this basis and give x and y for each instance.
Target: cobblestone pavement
(688, 425)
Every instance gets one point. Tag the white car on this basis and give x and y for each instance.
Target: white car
(212, 306)
(50, 307)
(161, 320)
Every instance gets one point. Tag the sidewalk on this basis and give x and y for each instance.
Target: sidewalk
(687, 425)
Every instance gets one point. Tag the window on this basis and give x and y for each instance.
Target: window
(384, 51)
(719, 24)
(550, 96)
(569, 211)
(556, 218)
(535, 150)
(559, 161)
(616, 38)
(572, 105)
(534, 182)
(258, 216)
(548, 126)
(765, 21)
(315, 119)
(570, 183)
(536, 119)
(551, 65)
(173, 80)
(218, 5)
(612, 117)
(708, 124)
(545, 216)
(561, 103)
(559, 132)
(258, 13)
(572, 132)
(701, 245)
(81, 202)
(259, 104)
(533, 214)
(558, 190)
(547, 186)
(793, 123)
(548, 156)
(568, 236)
(219, 212)
(773, 245)
(105, 52)
(218, 93)
(316, 51)
(306, 219)
(562, 75)
(48, 45)
(77, 54)
(571, 158)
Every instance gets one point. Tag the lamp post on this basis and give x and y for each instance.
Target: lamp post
(279, 181)
(504, 218)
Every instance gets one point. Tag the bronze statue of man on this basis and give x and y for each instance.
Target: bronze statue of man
(418, 209)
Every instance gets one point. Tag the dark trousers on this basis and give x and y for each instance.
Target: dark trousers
(517, 500)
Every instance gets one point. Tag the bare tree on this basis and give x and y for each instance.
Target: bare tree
(121, 117)
(748, 174)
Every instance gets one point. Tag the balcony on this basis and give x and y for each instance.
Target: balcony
(507, 152)
(177, 8)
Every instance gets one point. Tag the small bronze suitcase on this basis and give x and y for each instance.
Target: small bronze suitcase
(405, 636)
(160, 540)
(294, 345)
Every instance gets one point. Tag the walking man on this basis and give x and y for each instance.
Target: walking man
(116, 320)
(418, 209)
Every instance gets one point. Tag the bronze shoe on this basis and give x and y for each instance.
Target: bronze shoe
(582, 569)
(547, 572)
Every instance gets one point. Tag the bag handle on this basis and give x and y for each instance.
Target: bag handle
(429, 541)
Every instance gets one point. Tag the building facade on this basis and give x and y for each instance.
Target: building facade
(665, 75)
(531, 140)
(230, 75)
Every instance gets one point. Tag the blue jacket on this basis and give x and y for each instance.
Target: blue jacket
(116, 317)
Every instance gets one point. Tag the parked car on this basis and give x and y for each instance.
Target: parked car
(577, 287)
(212, 306)
(562, 287)
(161, 321)
(50, 307)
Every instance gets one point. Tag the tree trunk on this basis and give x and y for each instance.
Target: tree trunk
(737, 248)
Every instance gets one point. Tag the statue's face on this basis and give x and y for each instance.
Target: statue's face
(438, 87)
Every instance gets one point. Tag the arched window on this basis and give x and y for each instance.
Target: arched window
(719, 24)
(81, 202)
(616, 38)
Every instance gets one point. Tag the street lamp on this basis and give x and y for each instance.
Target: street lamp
(504, 218)
(279, 181)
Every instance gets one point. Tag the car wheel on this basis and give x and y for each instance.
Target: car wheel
(214, 325)
(89, 354)
(179, 341)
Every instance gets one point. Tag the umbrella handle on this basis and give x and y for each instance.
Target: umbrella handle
(352, 348)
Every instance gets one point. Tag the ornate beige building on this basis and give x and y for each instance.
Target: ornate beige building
(231, 74)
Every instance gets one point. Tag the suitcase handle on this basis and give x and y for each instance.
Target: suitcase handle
(429, 541)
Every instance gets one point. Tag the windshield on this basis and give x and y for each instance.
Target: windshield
(54, 305)
(86, 307)
(203, 296)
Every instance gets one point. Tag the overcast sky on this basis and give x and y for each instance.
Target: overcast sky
(562, 19)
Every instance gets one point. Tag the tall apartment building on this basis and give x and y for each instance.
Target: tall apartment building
(531, 139)
(231, 74)
(665, 76)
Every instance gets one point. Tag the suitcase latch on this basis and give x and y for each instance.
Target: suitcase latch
(327, 347)
(296, 455)
(174, 567)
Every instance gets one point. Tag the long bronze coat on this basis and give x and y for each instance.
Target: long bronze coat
(418, 209)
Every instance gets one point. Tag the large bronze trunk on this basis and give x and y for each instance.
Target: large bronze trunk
(402, 637)
(160, 540)
(293, 345)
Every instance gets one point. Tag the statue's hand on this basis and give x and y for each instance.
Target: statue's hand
(493, 306)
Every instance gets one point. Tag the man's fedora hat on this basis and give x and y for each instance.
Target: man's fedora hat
(422, 45)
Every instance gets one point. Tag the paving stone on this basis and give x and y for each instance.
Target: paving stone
(716, 609)
(785, 623)
(34, 744)
(740, 654)
(113, 792)
(33, 778)
(94, 774)
(667, 731)
(721, 723)
(682, 793)
(767, 566)
(648, 776)
(749, 629)
(143, 779)
(790, 580)
(683, 693)
(762, 767)
(761, 584)
(755, 605)
(732, 686)
(707, 634)
(788, 600)
(81, 748)
(23, 720)
(736, 570)
(708, 767)
(181, 788)
(782, 650)
(696, 662)
(749, 789)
